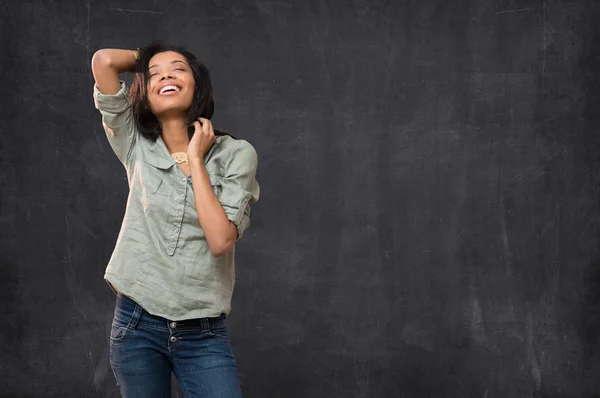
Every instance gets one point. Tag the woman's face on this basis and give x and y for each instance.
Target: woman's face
(170, 86)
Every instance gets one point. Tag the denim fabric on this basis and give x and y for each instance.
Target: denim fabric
(145, 349)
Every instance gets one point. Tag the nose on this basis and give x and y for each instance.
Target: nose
(166, 75)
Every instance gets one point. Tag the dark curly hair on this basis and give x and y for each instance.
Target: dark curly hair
(203, 104)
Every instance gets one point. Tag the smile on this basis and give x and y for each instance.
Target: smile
(169, 89)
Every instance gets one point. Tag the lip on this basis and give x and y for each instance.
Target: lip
(179, 87)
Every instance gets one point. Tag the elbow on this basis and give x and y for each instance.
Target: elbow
(222, 244)
(101, 59)
(221, 249)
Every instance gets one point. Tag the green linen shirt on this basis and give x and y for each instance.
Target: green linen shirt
(161, 258)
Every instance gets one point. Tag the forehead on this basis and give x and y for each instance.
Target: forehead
(166, 58)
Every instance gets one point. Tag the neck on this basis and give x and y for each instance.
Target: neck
(174, 134)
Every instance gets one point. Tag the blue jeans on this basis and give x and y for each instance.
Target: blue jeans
(145, 349)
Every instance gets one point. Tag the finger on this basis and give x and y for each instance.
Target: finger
(207, 125)
(197, 126)
(201, 124)
(204, 121)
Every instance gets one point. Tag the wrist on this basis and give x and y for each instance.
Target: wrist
(195, 160)
(136, 59)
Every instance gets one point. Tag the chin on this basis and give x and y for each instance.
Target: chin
(170, 111)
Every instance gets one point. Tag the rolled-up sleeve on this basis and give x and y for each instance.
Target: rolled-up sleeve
(239, 187)
(117, 120)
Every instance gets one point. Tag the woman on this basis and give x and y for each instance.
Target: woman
(189, 192)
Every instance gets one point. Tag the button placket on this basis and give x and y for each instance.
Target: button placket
(177, 216)
(181, 203)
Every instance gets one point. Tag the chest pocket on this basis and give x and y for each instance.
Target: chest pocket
(156, 176)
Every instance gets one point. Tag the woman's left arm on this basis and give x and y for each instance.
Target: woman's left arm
(220, 233)
(223, 219)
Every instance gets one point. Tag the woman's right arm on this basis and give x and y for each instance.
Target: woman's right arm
(107, 63)
(111, 99)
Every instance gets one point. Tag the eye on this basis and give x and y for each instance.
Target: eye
(180, 69)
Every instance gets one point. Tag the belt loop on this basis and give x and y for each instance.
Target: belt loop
(137, 313)
(205, 325)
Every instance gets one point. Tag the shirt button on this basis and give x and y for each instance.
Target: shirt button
(173, 339)
(173, 325)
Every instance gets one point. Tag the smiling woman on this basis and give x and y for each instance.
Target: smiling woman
(187, 73)
(169, 97)
(173, 266)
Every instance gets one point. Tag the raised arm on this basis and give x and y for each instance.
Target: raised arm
(111, 99)
(107, 63)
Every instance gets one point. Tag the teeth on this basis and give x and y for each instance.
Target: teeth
(169, 87)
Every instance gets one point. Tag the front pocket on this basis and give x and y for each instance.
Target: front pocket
(120, 332)
(157, 175)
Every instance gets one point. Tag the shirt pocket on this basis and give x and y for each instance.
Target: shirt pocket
(157, 176)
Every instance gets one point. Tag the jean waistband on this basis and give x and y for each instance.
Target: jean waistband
(128, 308)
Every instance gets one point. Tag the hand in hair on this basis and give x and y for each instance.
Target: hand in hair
(202, 140)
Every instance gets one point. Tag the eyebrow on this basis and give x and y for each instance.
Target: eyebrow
(172, 62)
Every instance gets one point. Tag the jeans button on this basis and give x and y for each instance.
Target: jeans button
(173, 325)
(173, 339)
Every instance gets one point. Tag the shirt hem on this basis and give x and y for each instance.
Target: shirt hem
(115, 283)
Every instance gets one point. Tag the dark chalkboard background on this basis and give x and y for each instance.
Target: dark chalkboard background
(429, 222)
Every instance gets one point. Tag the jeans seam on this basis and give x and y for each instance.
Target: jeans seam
(180, 379)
